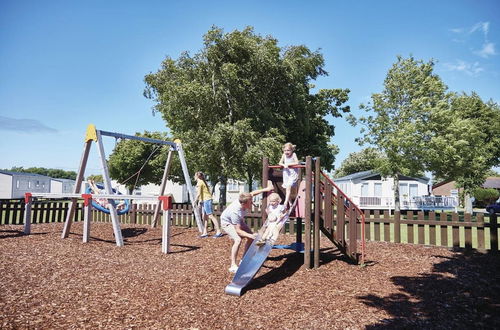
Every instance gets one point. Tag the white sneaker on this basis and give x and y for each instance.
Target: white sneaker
(233, 269)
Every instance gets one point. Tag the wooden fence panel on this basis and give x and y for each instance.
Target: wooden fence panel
(472, 231)
(410, 231)
(432, 229)
(421, 228)
(468, 232)
(368, 223)
(480, 232)
(376, 221)
(455, 239)
(387, 227)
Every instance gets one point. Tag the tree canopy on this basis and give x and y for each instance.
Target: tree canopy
(364, 160)
(465, 141)
(134, 163)
(240, 98)
(401, 112)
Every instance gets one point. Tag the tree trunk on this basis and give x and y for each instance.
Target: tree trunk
(468, 203)
(222, 190)
(249, 181)
(397, 202)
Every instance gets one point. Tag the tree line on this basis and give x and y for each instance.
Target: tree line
(242, 96)
(50, 172)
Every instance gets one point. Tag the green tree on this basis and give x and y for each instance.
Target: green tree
(399, 124)
(241, 97)
(465, 140)
(364, 160)
(96, 178)
(134, 163)
(485, 196)
(50, 172)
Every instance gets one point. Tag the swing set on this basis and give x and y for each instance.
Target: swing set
(110, 195)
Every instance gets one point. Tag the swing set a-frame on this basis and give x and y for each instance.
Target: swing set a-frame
(94, 135)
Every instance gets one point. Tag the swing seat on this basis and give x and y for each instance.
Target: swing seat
(101, 208)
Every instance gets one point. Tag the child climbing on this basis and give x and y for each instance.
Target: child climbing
(290, 175)
(204, 197)
(275, 213)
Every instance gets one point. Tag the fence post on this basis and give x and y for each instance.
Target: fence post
(133, 213)
(397, 227)
(28, 199)
(494, 233)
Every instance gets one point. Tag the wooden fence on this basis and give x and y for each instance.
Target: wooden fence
(478, 231)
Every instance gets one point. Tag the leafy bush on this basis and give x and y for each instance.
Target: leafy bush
(485, 196)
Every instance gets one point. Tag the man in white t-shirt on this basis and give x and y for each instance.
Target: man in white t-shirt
(233, 223)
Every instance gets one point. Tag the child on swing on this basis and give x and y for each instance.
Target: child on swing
(103, 201)
(275, 213)
(290, 175)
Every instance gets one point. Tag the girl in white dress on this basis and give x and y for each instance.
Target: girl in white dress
(290, 175)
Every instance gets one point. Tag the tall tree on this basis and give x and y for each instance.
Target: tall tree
(399, 124)
(241, 97)
(134, 163)
(465, 142)
(364, 160)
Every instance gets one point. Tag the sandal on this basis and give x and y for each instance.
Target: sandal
(218, 235)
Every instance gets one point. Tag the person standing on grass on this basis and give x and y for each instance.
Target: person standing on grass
(204, 197)
(233, 223)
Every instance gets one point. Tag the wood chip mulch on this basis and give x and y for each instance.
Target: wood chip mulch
(51, 283)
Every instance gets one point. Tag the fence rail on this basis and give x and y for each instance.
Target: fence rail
(478, 231)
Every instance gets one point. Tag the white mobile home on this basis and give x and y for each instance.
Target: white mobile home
(16, 184)
(65, 186)
(369, 190)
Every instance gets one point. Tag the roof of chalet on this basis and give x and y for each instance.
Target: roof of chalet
(368, 174)
(22, 174)
(358, 175)
(490, 182)
(63, 180)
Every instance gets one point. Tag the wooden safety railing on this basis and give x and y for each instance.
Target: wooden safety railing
(336, 208)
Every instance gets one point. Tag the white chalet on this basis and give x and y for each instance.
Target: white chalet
(65, 186)
(369, 190)
(15, 184)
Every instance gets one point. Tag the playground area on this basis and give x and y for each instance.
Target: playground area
(49, 282)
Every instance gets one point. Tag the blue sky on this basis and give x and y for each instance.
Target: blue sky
(65, 64)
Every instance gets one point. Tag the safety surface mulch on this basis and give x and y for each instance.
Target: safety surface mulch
(47, 282)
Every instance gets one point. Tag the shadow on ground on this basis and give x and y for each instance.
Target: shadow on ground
(461, 292)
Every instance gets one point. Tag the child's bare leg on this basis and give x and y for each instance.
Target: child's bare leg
(205, 225)
(287, 196)
(276, 232)
(216, 224)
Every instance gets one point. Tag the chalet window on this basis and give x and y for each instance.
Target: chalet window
(377, 189)
(29, 184)
(17, 184)
(403, 189)
(413, 190)
(364, 189)
(233, 186)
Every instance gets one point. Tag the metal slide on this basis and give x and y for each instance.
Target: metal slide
(249, 266)
(254, 259)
